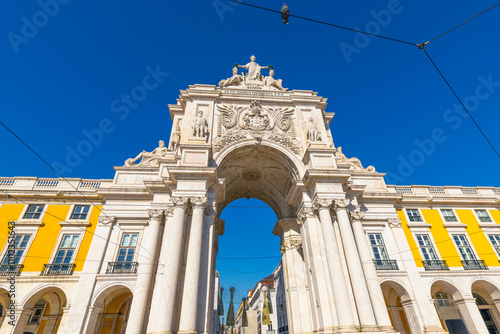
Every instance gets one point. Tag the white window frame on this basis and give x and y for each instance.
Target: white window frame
(492, 245)
(136, 251)
(444, 217)
(72, 222)
(21, 230)
(471, 246)
(479, 219)
(433, 244)
(422, 220)
(138, 248)
(66, 231)
(25, 210)
(384, 244)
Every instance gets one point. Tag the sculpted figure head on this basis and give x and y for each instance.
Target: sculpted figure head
(161, 144)
(252, 58)
(271, 73)
(235, 70)
(200, 113)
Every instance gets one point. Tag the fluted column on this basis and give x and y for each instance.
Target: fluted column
(162, 315)
(188, 320)
(361, 296)
(370, 273)
(147, 260)
(341, 296)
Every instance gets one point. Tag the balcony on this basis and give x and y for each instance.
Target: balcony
(386, 264)
(11, 269)
(58, 269)
(122, 268)
(431, 265)
(474, 265)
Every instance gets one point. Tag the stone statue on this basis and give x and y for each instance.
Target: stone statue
(149, 158)
(176, 139)
(200, 125)
(253, 69)
(312, 131)
(354, 162)
(270, 82)
(235, 80)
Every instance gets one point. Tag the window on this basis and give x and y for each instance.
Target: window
(80, 212)
(20, 243)
(483, 216)
(34, 211)
(378, 246)
(127, 248)
(67, 248)
(426, 247)
(413, 215)
(37, 312)
(464, 248)
(495, 241)
(448, 215)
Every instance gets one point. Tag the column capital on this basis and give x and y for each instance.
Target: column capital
(179, 201)
(211, 210)
(107, 220)
(198, 202)
(155, 214)
(394, 222)
(169, 211)
(322, 204)
(356, 215)
(340, 203)
(303, 214)
(288, 243)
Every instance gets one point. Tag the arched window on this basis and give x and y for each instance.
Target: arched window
(479, 300)
(37, 312)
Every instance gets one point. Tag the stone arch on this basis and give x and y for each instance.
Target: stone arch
(446, 284)
(261, 170)
(46, 303)
(400, 306)
(110, 308)
(4, 302)
(487, 297)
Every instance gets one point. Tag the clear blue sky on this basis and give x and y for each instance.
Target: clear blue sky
(64, 76)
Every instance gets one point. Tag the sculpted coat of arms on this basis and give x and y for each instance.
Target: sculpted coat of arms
(240, 122)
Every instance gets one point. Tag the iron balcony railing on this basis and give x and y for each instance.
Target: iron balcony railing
(386, 264)
(435, 265)
(11, 269)
(474, 265)
(122, 268)
(58, 269)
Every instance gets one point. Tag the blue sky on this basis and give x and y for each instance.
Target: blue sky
(65, 77)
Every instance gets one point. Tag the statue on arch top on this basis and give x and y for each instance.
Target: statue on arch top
(253, 69)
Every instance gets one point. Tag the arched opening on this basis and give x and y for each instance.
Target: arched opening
(45, 311)
(113, 307)
(400, 308)
(450, 314)
(4, 304)
(484, 294)
(256, 177)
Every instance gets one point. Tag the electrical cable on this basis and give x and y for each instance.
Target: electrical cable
(325, 23)
(459, 100)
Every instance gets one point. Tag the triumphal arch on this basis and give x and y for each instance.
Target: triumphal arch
(246, 137)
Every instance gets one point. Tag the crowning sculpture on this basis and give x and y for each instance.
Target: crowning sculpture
(149, 159)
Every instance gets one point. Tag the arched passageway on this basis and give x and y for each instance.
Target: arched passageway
(485, 293)
(4, 304)
(111, 311)
(400, 307)
(42, 312)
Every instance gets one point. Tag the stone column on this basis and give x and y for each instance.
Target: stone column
(411, 318)
(471, 315)
(297, 296)
(341, 296)
(370, 273)
(189, 307)
(363, 302)
(93, 314)
(322, 305)
(147, 261)
(162, 315)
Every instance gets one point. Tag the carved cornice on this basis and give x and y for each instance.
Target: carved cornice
(155, 214)
(394, 222)
(356, 215)
(340, 204)
(106, 220)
